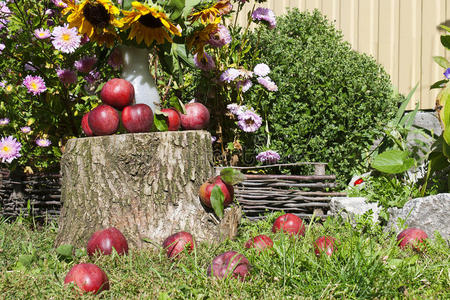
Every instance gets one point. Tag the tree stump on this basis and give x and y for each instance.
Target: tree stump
(144, 184)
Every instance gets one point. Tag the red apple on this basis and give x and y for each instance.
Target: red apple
(196, 117)
(85, 126)
(326, 244)
(229, 263)
(260, 242)
(103, 120)
(206, 189)
(118, 93)
(173, 119)
(137, 118)
(289, 223)
(104, 240)
(88, 277)
(411, 237)
(176, 243)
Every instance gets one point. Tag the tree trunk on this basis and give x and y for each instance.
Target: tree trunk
(145, 184)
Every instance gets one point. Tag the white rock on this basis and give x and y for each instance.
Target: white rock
(348, 207)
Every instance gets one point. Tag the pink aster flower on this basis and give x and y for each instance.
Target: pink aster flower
(9, 149)
(268, 83)
(230, 75)
(268, 156)
(205, 63)
(4, 121)
(115, 60)
(235, 109)
(65, 39)
(67, 76)
(92, 77)
(4, 14)
(245, 84)
(220, 37)
(42, 33)
(2, 47)
(59, 3)
(261, 70)
(266, 15)
(249, 121)
(25, 129)
(43, 142)
(86, 64)
(34, 84)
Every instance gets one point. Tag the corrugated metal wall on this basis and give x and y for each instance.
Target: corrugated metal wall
(402, 35)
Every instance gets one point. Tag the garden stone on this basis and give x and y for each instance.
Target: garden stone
(349, 207)
(144, 184)
(431, 213)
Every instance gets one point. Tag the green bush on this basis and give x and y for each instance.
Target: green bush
(332, 101)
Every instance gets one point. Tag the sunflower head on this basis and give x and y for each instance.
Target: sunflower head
(200, 38)
(212, 13)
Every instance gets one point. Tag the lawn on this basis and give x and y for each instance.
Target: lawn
(367, 264)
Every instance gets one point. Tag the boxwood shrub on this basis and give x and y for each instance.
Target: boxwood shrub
(332, 101)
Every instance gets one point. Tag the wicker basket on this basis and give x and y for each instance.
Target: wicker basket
(300, 195)
(30, 195)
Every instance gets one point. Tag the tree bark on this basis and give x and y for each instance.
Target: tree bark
(145, 184)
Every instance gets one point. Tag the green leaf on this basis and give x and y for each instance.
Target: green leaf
(439, 84)
(442, 61)
(230, 146)
(446, 149)
(190, 4)
(445, 40)
(393, 161)
(65, 250)
(438, 161)
(177, 3)
(401, 110)
(126, 4)
(217, 198)
(445, 28)
(160, 119)
(231, 176)
(25, 260)
(176, 103)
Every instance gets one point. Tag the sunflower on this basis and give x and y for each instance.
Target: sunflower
(210, 14)
(95, 18)
(148, 24)
(200, 38)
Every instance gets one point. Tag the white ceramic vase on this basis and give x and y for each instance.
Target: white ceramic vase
(136, 70)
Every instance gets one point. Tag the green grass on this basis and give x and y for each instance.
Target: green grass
(367, 265)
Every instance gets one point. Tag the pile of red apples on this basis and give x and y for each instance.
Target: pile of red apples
(118, 106)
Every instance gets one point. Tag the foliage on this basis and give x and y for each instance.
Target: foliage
(55, 113)
(367, 264)
(332, 101)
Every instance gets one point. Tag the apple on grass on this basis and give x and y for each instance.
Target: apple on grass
(206, 189)
(196, 117)
(229, 264)
(137, 118)
(103, 120)
(85, 126)
(103, 241)
(176, 243)
(412, 237)
(260, 242)
(173, 119)
(290, 224)
(325, 244)
(88, 278)
(118, 93)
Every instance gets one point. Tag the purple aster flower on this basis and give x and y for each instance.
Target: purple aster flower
(86, 64)
(219, 37)
(245, 84)
(2, 83)
(235, 109)
(4, 121)
(29, 67)
(42, 33)
(261, 70)
(265, 14)
(213, 139)
(67, 76)
(43, 142)
(205, 63)
(268, 156)
(34, 84)
(4, 14)
(2, 47)
(249, 121)
(268, 83)
(115, 60)
(25, 129)
(92, 77)
(230, 75)
(9, 149)
(84, 39)
(59, 3)
(447, 73)
(65, 39)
